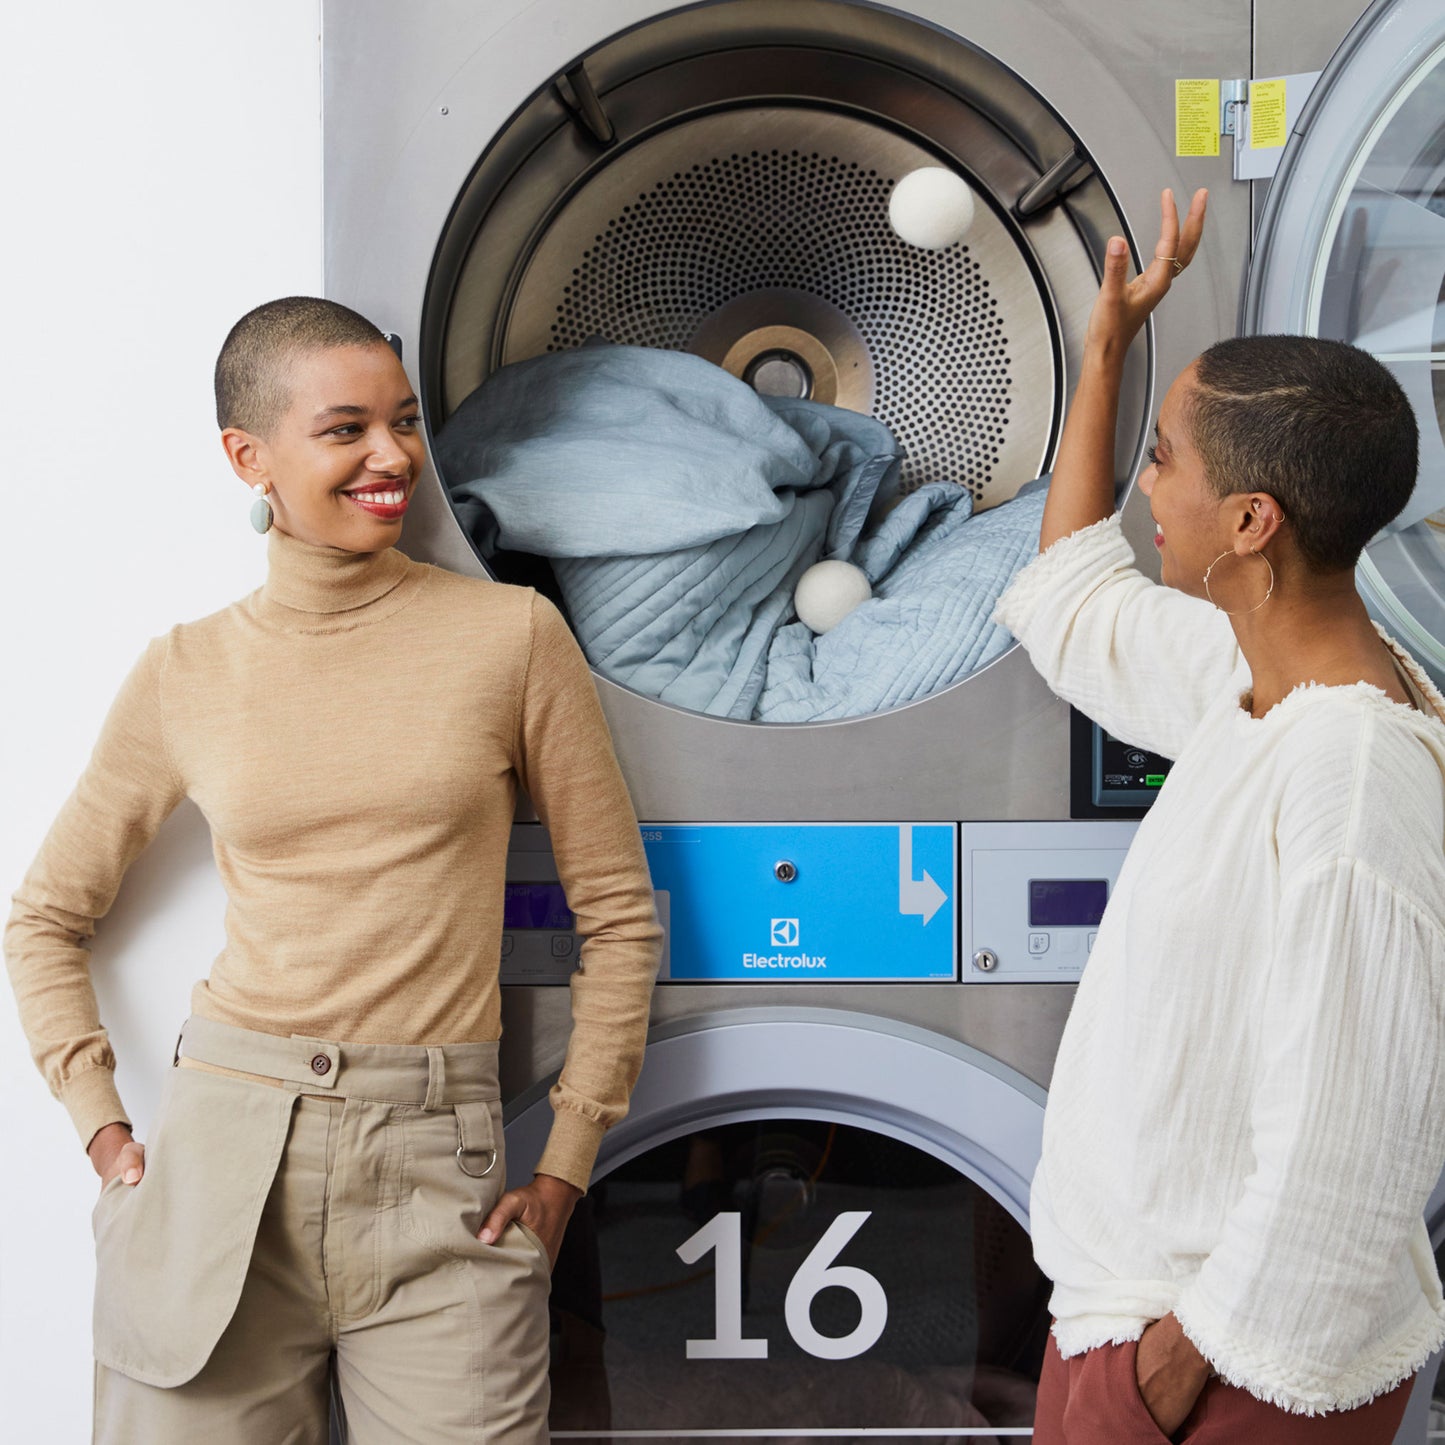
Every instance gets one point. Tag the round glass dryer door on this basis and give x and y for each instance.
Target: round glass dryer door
(811, 1223)
(1352, 247)
(786, 1278)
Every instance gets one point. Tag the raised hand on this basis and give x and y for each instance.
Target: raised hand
(1082, 491)
(1123, 306)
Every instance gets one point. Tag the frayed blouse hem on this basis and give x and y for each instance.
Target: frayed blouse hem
(1091, 1332)
(1300, 1393)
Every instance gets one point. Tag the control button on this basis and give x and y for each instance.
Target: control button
(508, 943)
(1136, 759)
(320, 1064)
(1092, 937)
(1038, 943)
(562, 945)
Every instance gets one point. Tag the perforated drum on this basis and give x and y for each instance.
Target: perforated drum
(760, 239)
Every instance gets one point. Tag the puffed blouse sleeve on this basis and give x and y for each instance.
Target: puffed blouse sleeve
(1145, 661)
(1348, 1131)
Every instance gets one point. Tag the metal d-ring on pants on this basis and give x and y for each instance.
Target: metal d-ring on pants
(330, 1211)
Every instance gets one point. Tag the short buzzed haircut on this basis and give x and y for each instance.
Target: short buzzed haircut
(1321, 426)
(251, 390)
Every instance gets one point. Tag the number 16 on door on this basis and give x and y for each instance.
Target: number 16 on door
(724, 1233)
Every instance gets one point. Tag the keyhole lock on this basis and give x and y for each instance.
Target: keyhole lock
(784, 871)
(985, 960)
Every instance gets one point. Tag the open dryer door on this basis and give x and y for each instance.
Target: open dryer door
(1351, 246)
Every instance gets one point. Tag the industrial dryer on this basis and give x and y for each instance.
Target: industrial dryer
(815, 1217)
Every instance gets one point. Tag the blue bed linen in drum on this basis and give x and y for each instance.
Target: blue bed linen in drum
(679, 509)
(936, 571)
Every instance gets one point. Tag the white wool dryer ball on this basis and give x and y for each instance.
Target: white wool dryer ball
(827, 592)
(931, 208)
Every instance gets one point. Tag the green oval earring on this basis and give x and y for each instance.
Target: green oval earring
(261, 514)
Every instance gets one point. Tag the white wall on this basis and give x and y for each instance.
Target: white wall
(162, 174)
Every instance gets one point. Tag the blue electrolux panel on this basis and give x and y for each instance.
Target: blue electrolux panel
(871, 901)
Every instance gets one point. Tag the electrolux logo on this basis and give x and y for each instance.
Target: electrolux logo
(784, 933)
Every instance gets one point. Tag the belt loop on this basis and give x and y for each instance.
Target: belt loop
(436, 1078)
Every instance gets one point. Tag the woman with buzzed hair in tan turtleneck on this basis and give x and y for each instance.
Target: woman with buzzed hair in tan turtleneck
(325, 1177)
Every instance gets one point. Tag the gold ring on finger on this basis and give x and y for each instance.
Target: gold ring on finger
(1174, 261)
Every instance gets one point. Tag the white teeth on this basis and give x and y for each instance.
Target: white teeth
(385, 499)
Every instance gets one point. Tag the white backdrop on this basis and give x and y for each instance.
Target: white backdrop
(162, 174)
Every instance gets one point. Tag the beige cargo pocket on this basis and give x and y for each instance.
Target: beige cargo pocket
(113, 1186)
(535, 1240)
(171, 1252)
(452, 1172)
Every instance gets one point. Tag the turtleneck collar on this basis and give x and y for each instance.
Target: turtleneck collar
(321, 582)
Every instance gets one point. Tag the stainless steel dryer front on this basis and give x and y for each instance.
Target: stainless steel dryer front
(815, 1219)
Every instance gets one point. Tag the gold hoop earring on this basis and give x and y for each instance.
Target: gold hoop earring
(1243, 612)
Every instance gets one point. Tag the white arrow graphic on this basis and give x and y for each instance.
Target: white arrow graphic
(921, 897)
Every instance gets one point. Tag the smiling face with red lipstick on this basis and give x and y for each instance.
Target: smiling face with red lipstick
(340, 461)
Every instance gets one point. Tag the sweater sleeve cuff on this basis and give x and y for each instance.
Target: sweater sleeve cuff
(1063, 571)
(92, 1101)
(571, 1148)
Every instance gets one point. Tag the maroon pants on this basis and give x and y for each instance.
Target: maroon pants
(1093, 1399)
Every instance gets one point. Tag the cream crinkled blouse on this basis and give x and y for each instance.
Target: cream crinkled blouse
(1247, 1113)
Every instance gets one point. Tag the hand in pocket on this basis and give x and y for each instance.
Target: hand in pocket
(114, 1152)
(544, 1206)
(1170, 1372)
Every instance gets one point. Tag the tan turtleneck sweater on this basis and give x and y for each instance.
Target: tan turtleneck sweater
(354, 733)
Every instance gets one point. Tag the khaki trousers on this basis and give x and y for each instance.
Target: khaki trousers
(1093, 1399)
(319, 1217)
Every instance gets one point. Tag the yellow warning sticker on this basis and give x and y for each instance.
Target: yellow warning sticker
(1267, 122)
(1196, 117)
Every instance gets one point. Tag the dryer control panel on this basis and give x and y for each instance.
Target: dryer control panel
(842, 902)
(762, 903)
(807, 903)
(1034, 894)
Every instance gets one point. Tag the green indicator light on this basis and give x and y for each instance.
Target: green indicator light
(1154, 780)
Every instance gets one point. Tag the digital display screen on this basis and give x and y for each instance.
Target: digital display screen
(1121, 768)
(1067, 902)
(536, 905)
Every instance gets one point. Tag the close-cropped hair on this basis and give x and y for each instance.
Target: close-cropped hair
(251, 390)
(1321, 426)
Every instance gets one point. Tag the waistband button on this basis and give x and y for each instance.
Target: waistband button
(320, 1064)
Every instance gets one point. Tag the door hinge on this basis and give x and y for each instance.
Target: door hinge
(1233, 97)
